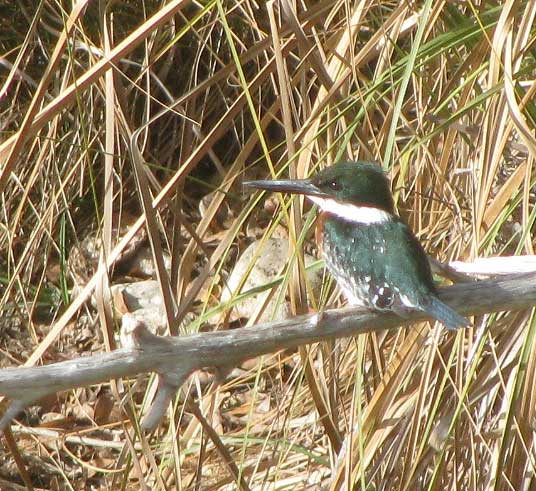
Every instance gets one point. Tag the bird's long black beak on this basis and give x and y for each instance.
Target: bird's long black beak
(293, 186)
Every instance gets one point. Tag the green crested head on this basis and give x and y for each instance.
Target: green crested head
(357, 183)
(358, 191)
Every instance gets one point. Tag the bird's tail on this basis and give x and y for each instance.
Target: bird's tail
(445, 314)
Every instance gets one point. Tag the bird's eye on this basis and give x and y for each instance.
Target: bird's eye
(335, 185)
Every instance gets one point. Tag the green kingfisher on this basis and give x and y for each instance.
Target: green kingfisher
(374, 256)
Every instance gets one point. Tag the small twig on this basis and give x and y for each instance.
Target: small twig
(495, 266)
(175, 358)
(12, 446)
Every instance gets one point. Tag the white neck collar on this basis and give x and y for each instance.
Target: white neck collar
(365, 215)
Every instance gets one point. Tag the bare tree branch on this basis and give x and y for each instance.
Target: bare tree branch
(175, 358)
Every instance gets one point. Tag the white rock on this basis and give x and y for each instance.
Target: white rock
(266, 265)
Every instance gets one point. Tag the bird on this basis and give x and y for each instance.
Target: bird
(374, 256)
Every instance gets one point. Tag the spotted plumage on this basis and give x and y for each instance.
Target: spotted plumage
(373, 255)
(392, 272)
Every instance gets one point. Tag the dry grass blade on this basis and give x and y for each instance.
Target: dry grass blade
(35, 121)
(9, 152)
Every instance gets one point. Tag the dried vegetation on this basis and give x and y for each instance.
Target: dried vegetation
(440, 92)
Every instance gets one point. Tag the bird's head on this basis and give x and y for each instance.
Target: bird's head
(356, 191)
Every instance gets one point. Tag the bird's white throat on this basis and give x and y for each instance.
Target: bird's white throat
(365, 215)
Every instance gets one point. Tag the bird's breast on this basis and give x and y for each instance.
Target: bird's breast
(347, 256)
